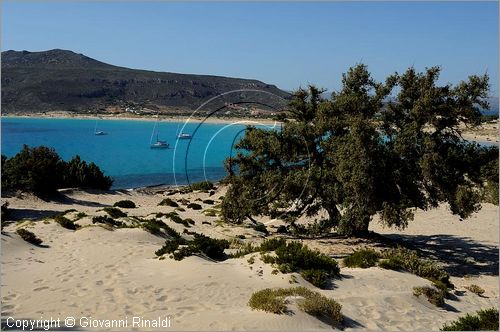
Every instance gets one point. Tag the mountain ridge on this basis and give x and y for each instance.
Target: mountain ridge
(62, 80)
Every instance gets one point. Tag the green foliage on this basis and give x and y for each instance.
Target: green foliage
(357, 154)
(29, 236)
(434, 296)
(66, 223)
(408, 260)
(319, 305)
(114, 212)
(363, 258)
(318, 278)
(80, 215)
(201, 244)
(106, 220)
(126, 204)
(40, 170)
(204, 185)
(168, 202)
(313, 303)
(483, 320)
(194, 206)
(209, 201)
(261, 228)
(475, 289)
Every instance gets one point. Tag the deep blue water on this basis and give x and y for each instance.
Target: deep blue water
(125, 153)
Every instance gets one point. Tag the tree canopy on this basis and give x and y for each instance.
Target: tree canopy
(373, 147)
(40, 170)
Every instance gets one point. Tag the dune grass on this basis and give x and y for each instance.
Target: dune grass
(483, 320)
(313, 303)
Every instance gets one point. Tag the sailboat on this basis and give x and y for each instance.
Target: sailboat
(159, 144)
(98, 132)
(183, 135)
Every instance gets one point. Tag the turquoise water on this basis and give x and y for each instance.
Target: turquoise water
(125, 153)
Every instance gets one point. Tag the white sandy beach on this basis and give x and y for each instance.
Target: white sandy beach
(94, 272)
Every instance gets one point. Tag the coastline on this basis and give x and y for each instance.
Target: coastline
(169, 118)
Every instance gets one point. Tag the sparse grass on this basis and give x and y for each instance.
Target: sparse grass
(475, 289)
(29, 237)
(106, 220)
(126, 204)
(168, 202)
(293, 279)
(211, 212)
(251, 260)
(433, 295)
(194, 206)
(483, 320)
(363, 258)
(114, 212)
(66, 223)
(313, 303)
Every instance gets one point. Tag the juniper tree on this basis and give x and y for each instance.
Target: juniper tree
(364, 151)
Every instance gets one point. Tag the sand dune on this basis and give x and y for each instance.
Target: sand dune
(94, 272)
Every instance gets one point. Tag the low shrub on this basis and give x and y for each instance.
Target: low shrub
(106, 220)
(194, 206)
(66, 223)
(363, 258)
(154, 226)
(261, 228)
(268, 301)
(203, 185)
(126, 204)
(189, 221)
(408, 260)
(114, 212)
(313, 303)
(475, 289)
(271, 244)
(209, 201)
(433, 295)
(483, 320)
(80, 215)
(29, 236)
(282, 229)
(318, 305)
(169, 247)
(201, 244)
(318, 278)
(168, 202)
(210, 212)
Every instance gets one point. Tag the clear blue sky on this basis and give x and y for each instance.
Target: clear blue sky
(287, 44)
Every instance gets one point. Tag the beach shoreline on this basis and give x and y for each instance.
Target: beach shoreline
(169, 118)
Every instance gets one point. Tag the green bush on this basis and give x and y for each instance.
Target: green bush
(194, 206)
(313, 303)
(169, 247)
(154, 226)
(114, 212)
(80, 215)
(168, 202)
(29, 236)
(261, 228)
(126, 204)
(408, 260)
(268, 301)
(282, 229)
(209, 201)
(320, 306)
(483, 320)
(363, 258)
(201, 244)
(204, 185)
(271, 244)
(66, 223)
(434, 295)
(106, 220)
(318, 278)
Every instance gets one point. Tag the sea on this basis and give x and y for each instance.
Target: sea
(125, 153)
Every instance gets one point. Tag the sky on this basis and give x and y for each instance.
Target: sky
(286, 44)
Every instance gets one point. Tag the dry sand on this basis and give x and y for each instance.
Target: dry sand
(94, 272)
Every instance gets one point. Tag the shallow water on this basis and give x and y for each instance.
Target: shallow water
(125, 153)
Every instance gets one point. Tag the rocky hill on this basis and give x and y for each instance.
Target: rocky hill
(61, 80)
